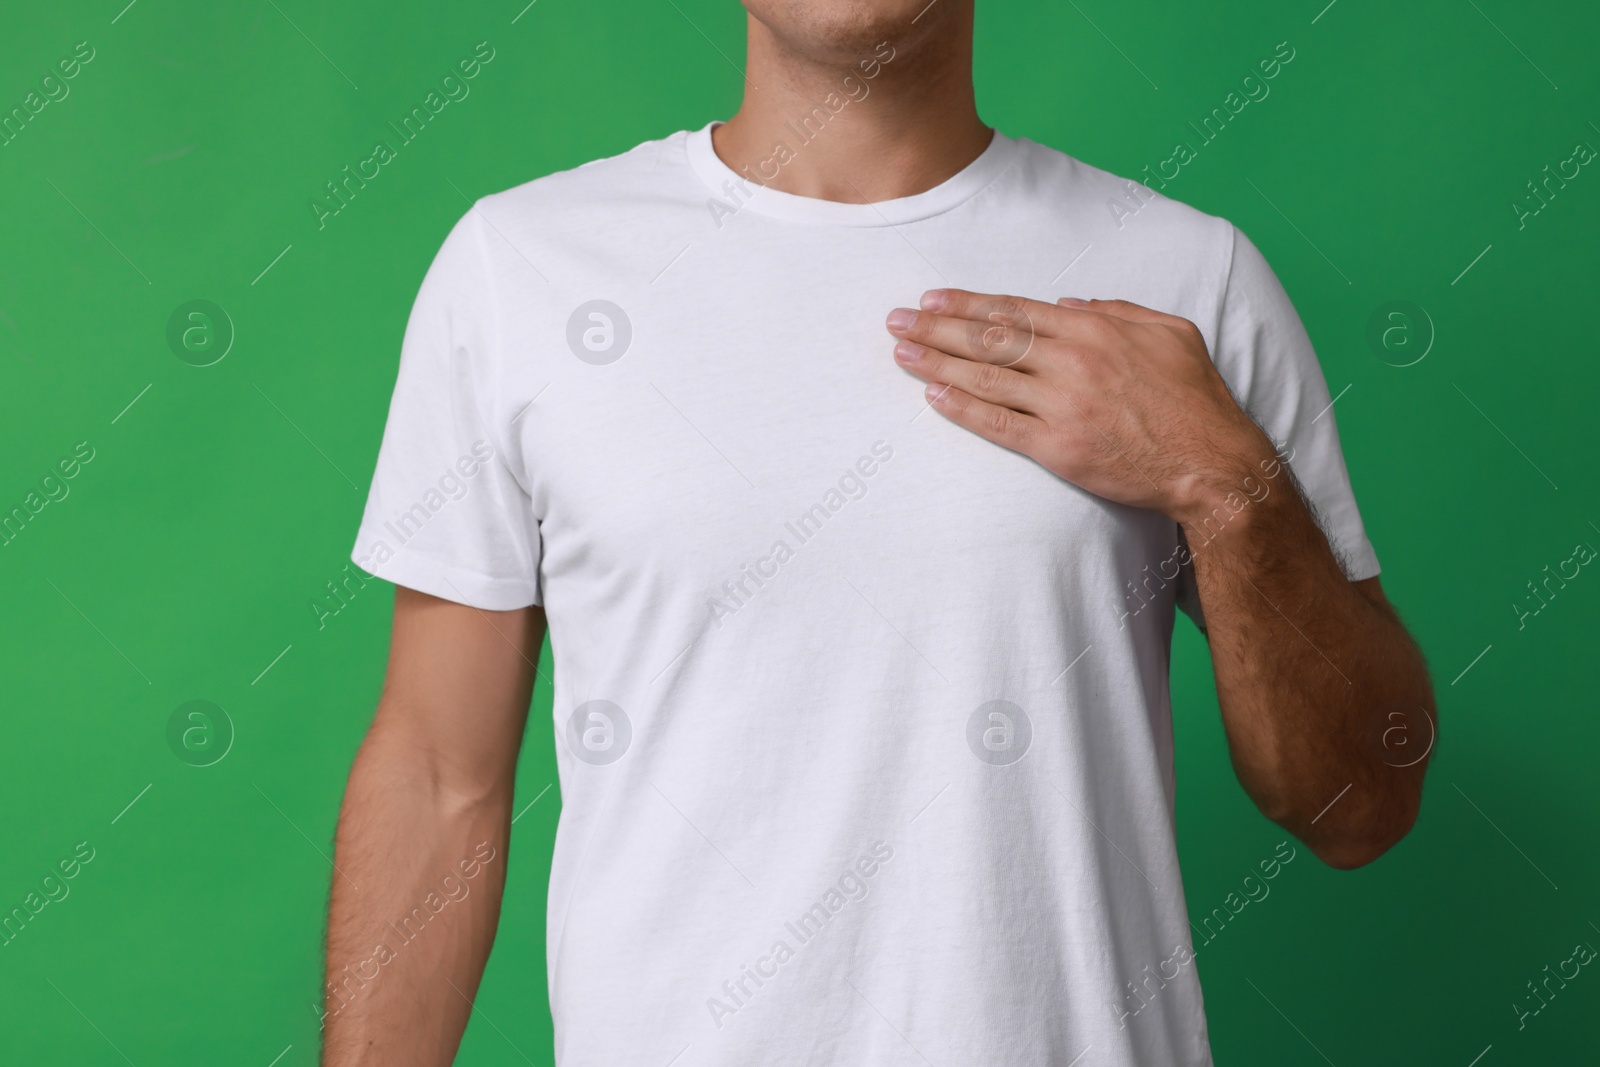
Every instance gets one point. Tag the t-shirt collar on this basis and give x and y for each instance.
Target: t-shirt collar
(740, 193)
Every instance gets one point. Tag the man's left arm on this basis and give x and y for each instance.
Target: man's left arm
(1326, 700)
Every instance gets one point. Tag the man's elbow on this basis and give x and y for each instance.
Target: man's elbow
(1356, 845)
(1347, 855)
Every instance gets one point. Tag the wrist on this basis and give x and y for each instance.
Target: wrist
(1233, 481)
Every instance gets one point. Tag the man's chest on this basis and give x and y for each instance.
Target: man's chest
(744, 434)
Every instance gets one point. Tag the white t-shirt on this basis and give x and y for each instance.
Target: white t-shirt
(864, 734)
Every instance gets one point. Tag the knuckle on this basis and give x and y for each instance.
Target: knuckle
(1014, 312)
(1012, 308)
(1071, 359)
(988, 377)
(1000, 422)
(1097, 327)
(1001, 324)
(983, 335)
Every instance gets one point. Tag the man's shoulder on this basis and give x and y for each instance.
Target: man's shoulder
(1117, 205)
(631, 175)
(575, 219)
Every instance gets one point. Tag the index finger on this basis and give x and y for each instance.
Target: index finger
(1025, 317)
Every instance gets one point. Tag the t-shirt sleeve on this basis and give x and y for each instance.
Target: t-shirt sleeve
(1265, 355)
(446, 515)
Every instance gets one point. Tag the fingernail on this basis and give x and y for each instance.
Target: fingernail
(934, 299)
(908, 351)
(901, 318)
(1072, 301)
(935, 392)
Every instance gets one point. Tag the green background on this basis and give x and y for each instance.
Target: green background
(185, 558)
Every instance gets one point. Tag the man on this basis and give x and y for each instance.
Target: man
(862, 714)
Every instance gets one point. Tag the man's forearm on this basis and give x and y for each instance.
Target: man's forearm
(416, 897)
(1325, 698)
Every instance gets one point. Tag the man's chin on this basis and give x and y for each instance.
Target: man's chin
(845, 30)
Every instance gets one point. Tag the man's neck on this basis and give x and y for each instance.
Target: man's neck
(894, 121)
